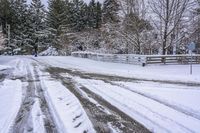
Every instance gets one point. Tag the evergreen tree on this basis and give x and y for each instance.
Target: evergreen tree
(110, 11)
(98, 15)
(21, 24)
(5, 14)
(79, 15)
(56, 20)
(38, 15)
(92, 14)
(37, 23)
(68, 14)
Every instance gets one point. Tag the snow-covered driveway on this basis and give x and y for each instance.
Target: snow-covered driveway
(72, 95)
(30, 103)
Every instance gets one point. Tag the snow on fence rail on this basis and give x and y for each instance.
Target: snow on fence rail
(173, 59)
(139, 59)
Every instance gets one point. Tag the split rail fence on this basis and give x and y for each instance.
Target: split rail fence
(140, 59)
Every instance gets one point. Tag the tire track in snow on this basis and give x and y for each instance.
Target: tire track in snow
(147, 108)
(113, 77)
(105, 79)
(49, 123)
(96, 96)
(132, 110)
(177, 108)
(109, 79)
(24, 120)
(100, 119)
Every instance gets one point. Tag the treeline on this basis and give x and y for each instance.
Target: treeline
(114, 26)
(32, 25)
(22, 24)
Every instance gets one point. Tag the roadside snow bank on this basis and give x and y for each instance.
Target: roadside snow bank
(10, 100)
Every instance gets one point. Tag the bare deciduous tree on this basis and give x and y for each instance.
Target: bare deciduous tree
(135, 24)
(168, 15)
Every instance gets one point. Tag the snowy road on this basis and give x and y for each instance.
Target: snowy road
(49, 94)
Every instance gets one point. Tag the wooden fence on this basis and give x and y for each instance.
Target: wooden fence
(173, 59)
(140, 59)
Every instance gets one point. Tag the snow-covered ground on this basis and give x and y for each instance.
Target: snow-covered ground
(10, 99)
(68, 94)
(68, 112)
(151, 72)
(161, 108)
(3, 67)
(30, 103)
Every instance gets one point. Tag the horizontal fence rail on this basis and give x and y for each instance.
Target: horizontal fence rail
(175, 59)
(140, 59)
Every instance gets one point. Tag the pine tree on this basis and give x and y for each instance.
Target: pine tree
(38, 15)
(5, 14)
(98, 15)
(110, 11)
(56, 20)
(198, 9)
(92, 14)
(79, 15)
(37, 23)
(21, 23)
(68, 14)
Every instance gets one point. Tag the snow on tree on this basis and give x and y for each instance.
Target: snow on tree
(110, 11)
(115, 26)
(20, 25)
(2, 38)
(98, 15)
(94, 14)
(195, 26)
(56, 20)
(91, 14)
(168, 20)
(38, 25)
(79, 15)
(5, 14)
(135, 26)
